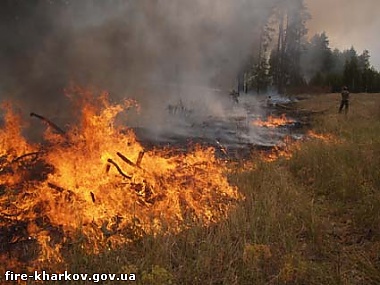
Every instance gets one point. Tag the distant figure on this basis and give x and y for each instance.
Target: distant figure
(345, 100)
(234, 96)
(269, 101)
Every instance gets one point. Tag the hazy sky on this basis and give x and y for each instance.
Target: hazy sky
(348, 23)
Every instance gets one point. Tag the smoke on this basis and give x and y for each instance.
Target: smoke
(348, 23)
(159, 52)
(122, 45)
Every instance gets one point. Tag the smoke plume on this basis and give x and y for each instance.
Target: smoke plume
(149, 50)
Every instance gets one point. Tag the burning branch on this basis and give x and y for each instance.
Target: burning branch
(126, 159)
(68, 193)
(222, 148)
(173, 189)
(119, 169)
(92, 197)
(139, 158)
(50, 123)
(130, 162)
(108, 166)
(26, 155)
(55, 187)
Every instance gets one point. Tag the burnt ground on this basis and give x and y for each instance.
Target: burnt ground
(234, 135)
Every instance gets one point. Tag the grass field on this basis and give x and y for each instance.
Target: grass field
(310, 219)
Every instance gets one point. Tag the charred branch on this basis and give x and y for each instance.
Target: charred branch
(92, 197)
(130, 162)
(126, 159)
(68, 194)
(108, 166)
(35, 154)
(49, 123)
(55, 187)
(139, 158)
(119, 169)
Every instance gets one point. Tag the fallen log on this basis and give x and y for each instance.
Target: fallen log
(119, 169)
(49, 123)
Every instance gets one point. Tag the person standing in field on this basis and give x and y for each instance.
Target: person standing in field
(344, 103)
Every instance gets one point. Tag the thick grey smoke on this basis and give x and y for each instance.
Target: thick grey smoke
(131, 48)
(161, 53)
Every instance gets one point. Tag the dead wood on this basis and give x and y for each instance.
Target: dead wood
(108, 166)
(26, 155)
(49, 123)
(92, 197)
(68, 194)
(55, 187)
(139, 158)
(126, 159)
(119, 169)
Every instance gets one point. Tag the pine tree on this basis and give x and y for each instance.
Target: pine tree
(285, 60)
(317, 59)
(351, 74)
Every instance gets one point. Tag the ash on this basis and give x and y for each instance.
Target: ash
(230, 129)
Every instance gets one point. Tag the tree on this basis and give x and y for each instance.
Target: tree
(317, 57)
(351, 74)
(364, 67)
(285, 60)
(256, 73)
(294, 61)
(260, 74)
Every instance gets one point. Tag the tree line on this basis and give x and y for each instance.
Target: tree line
(287, 61)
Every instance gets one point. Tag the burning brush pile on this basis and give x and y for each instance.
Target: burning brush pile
(96, 179)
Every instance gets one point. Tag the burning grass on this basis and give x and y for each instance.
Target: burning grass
(96, 179)
(311, 218)
(273, 122)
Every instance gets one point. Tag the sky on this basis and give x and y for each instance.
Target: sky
(348, 23)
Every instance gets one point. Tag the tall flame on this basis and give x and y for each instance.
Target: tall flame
(96, 178)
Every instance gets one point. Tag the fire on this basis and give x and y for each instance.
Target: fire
(12, 145)
(288, 146)
(273, 122)
(285, 150)
(327, 138)
(97, 179)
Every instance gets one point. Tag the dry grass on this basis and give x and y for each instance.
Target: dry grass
(313, 219)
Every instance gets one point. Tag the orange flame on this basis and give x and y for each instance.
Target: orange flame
(273, 122)
(283, 150)
(97, 179)
(327, 138)
(286, 148)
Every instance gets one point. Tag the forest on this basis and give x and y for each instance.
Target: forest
(288, 59)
